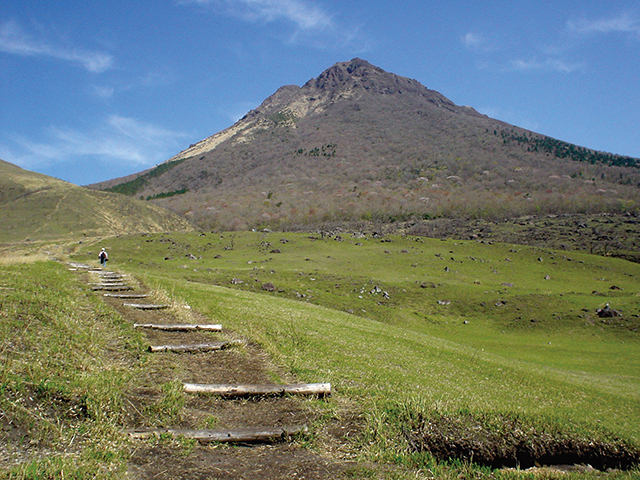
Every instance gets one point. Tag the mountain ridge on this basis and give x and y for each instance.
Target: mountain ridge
(358, 142)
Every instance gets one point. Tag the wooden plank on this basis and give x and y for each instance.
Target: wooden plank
(111, 288)
(125, 295)
(181, 327)
(146, 306)
(240, 435)
(196, 347)
(231, 390)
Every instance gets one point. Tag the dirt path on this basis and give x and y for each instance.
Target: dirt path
(163, 376)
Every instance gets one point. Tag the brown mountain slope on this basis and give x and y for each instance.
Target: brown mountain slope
(38, 207)
(361, 143)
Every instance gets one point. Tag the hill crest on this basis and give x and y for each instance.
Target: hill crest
(36, 207)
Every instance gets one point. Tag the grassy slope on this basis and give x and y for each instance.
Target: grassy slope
(38, 207)
(65, 361)
(542, 352)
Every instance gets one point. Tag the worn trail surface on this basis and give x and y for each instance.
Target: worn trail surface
(161, 384)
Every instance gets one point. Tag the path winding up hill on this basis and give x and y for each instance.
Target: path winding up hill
(278, 458)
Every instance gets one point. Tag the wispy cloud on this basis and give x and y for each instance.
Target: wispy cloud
(548, 64)
(304, 15)
(297, 21)
(14, 40)
(477, 42)
(623, 23)
(117, 140)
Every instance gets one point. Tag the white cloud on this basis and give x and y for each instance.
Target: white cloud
(294, 22)
(301, 13)
(623, 23)
(118, 140)
(548, 64)
(15, 41)
(473, 41)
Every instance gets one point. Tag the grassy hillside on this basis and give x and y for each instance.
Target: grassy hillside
(488, 337)
(38, 207)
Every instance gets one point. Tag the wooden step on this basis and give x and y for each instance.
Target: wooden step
(180, 327)
(232, 390)
(112, 288)
(125, 295)
(146, 306)
(190, 348)
(240, 435)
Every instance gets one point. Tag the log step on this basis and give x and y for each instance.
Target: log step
(146, 306)
(230, 390)
(182, 327)
(83, 266)
(112, 288)
(196, 347)
(125, 295)
(240, 435)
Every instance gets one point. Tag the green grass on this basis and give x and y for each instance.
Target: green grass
(496, 330)
(65, 362)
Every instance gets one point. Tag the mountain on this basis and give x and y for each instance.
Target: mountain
(360, 143)
(38, 207)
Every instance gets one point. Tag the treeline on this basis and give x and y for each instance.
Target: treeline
(561, 149)
(167, 194)
(134, 186)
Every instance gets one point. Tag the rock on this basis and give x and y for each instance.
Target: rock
(608, 312)
(507, 284)
(236, 281)
(269, 287)
(615, 287)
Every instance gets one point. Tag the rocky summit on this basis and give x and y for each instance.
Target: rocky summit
(359, 143)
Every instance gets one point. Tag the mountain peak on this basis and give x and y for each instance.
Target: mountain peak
(353, 74)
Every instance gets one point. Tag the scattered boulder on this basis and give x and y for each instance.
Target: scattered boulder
(236, 281)
(269, 287)
(608, 312)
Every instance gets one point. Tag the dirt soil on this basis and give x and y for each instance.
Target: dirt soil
(330, 457)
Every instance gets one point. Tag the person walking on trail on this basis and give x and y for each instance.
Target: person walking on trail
(103, 257)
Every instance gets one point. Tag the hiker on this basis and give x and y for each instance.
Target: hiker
(103, 257)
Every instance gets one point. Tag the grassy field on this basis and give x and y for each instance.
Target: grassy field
(484, 345)
(413, 327)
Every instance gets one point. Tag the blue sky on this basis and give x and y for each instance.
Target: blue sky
(94, 90)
